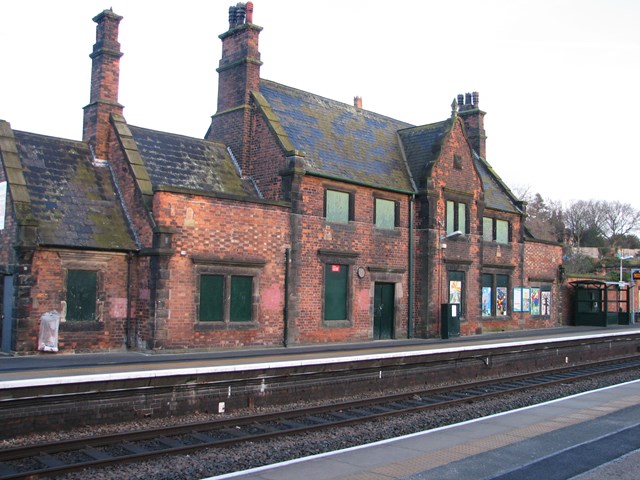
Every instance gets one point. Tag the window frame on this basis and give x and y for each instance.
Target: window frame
(452, 216)
(227, 297)
(350, 207)
(496, 281)
(450, 278)
(396, 213)
(492, 234)
(207, 264)
(71, 307)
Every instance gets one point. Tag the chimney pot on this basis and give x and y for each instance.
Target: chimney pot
(241, 9)
(249, 12)
(467, 99)
(357, 102)
(232, 17)
(476, 99)
(460, 100)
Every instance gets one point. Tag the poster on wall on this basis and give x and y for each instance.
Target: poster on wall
(501, 301)
(535, 301)
(526, 299)
(517, 299)
(455, 291)
(486, 301)
(545, 303)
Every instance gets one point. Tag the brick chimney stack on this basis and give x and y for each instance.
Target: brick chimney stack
(357, 102)
(473, 118)
(105, 74)
(238, 76)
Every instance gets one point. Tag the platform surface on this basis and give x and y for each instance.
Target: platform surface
(20, 370)
(589, 435)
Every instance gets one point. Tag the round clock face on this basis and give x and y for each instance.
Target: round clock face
(360, 272)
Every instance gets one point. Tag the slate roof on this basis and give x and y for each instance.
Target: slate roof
(496, 194)
(74, 201)
(340, 140)
(422, 146)
(189, 163)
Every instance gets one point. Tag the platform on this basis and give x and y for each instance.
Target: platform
(43, 368)
(557, 440)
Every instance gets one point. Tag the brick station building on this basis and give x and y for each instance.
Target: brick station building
(296, 220)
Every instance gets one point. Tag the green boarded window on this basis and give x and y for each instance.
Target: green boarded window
(502, 231)
(81, 294)
(211, 298)
(241, 299)
(385, 213)
(337, 206)
(487, 229)
(335, 292)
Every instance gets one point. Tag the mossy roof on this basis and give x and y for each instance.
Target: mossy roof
(496, 194)
(422, 146)
(340, 140)
(73, 199)
(189, 163)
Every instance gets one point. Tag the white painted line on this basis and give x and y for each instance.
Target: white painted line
(404, 437)
(103, 377)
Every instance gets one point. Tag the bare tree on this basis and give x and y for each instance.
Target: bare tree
(582, 218)
(619, 220)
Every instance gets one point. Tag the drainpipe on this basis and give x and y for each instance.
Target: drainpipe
(286, 298)
(410, 317)
(128, 321)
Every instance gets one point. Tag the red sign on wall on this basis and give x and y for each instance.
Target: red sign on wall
(335, 268)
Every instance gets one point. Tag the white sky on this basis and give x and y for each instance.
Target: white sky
(557, 78)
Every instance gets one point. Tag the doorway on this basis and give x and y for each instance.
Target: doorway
(383, 310)
(6, 312)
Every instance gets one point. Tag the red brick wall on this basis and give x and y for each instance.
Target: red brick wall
(541, 269)
(267, 160)
(48, 290)
(376, 250)
(463, 254)
(224, 230)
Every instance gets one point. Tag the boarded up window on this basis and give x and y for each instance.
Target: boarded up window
(226, 298)
(241, 299)
(81, 294)
(211, 298)
(502, 231)
(335, 292)
(456, 217)
(487, 229)
(385, 213)
(337, 206)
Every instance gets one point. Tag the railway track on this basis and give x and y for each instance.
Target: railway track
(73, 455)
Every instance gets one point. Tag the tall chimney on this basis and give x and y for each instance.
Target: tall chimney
(238, 76)
(105, 74)
(473, 119)
(357, 102)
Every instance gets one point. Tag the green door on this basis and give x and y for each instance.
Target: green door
(383, 310)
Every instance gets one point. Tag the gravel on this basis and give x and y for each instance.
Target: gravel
(213, 462)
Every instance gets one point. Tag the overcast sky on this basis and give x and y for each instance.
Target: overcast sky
(557, 78)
